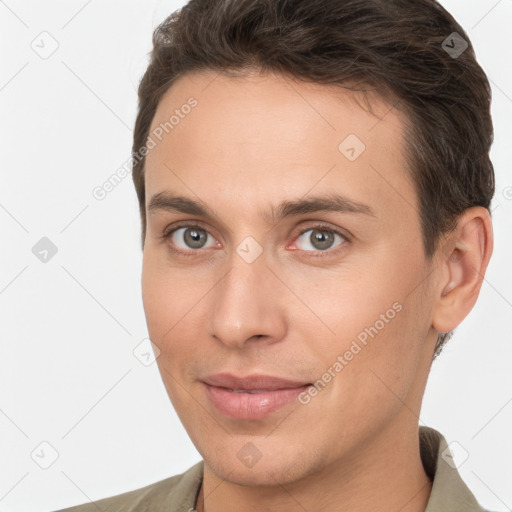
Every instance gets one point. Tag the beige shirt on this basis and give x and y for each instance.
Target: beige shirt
(179, 493)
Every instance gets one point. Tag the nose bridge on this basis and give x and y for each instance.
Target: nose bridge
(244, 306)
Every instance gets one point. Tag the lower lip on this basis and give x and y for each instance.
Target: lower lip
(251, 406)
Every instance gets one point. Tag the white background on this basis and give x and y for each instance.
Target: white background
(68, 328)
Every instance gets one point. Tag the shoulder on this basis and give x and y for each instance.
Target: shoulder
(178, 492)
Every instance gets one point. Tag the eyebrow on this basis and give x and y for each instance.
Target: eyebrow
(167, 201)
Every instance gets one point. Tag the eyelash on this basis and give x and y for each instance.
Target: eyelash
(314, 254)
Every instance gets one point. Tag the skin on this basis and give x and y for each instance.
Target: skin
(252, 142)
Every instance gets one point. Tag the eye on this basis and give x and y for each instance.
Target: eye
(188, 239)
(191, 237)
(319, 239)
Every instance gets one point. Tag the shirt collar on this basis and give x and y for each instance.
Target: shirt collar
(449, 492)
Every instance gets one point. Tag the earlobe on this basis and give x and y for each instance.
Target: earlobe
(467, 251)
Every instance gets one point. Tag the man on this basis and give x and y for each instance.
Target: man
(314, 184)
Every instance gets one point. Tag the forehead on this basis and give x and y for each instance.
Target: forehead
(257, 138)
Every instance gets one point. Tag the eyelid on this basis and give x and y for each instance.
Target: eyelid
(324, 226)
(185, 224)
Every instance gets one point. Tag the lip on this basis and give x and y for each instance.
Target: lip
(252, 397)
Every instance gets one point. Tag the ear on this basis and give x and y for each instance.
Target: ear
(462, 262)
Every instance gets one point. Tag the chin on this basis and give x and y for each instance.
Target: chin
(263, 476)
(265, 467)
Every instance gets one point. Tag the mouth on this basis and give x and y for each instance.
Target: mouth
(252, 397)
(248, 390)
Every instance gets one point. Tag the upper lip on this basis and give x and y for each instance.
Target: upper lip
(257, 381)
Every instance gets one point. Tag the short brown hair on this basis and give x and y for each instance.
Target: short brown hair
(398, 48)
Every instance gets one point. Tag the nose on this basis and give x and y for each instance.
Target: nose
(248, 306)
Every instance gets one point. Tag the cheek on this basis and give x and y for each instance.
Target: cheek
(168, 295)
(343, 305)
(158, 299)
(372, 317)
(174, 300)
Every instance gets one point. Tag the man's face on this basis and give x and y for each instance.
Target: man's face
(336, 297)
